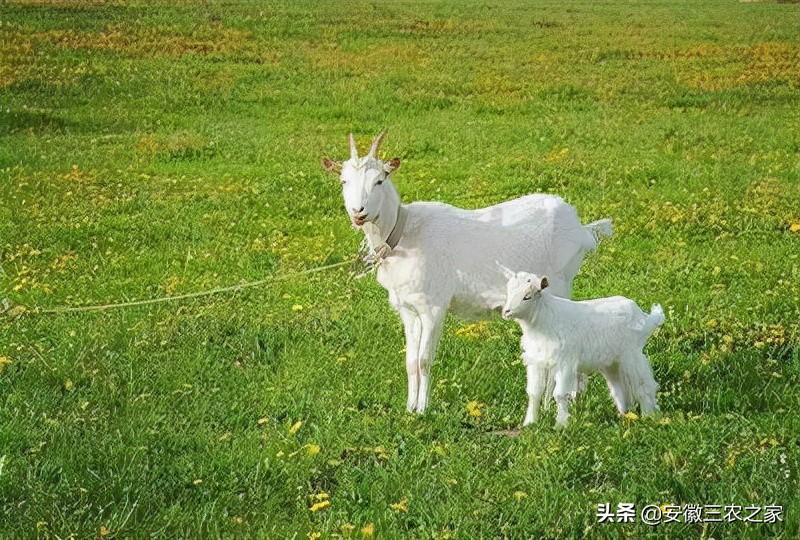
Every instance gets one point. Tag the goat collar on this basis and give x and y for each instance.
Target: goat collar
(399, 225)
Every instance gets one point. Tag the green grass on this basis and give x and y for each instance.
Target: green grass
(151, 150)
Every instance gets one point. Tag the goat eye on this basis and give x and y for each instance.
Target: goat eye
(527, 296)
(379, 182)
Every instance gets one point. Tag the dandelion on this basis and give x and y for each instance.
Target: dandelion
(400, 506)
(368, 530)
(197, 482)
(519, 495)
(104, 531)
(312, 449)
(263, 420)
(794, 226)
(474, 408)
(474, 330)
(297, 307)
(69, 385)
(296, 427)
(313, 535)
(321, 505)
(4, 361)
(630, 415)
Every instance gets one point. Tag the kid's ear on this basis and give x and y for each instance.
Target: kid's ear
(391, 165)
(544, 283)
(331, 166)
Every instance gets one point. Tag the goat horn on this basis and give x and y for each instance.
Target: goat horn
(353, 148)
(373, 150)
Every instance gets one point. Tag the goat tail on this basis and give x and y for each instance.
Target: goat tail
(602, 228)
(653, 320)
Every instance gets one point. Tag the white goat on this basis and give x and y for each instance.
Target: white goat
(435, 257)
(562, 338)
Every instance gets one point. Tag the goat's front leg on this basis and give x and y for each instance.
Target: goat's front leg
(565, 381)
(431, 322)
(537, 376)
(411, 326)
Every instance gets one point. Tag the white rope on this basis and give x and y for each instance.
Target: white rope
(218, 290)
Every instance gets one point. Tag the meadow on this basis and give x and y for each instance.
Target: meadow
(150, 149)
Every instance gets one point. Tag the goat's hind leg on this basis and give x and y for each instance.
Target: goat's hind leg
(645, 386)
(616, 387)
(565, 381)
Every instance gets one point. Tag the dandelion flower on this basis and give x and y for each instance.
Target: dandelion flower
(321, 505)
(474, 408)
(400, 506)
(630, 415)
(368, 530)
(4, 361)
(296, 427)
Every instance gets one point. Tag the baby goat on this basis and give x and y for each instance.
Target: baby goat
(566, 338)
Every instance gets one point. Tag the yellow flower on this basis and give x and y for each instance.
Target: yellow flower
(313, 449)
(69, 385)
(321, 505)
(347, 528)
(197, 482)
(4, 361)
(474, 330)
(368, 530)
(474, 408)
(297, 307)
(630, 415)
(263, 420)
(519, 495)
(794, 226)
(400, 506)
(296, 427)
(104, 531)
(313, 535)
(321, 496)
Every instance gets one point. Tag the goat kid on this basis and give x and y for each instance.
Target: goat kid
(563, 338)
(435, 257)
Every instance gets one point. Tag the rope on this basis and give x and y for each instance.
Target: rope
(209, 292)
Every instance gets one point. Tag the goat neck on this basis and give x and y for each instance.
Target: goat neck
(377, 232)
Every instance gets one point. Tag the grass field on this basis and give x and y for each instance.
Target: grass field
(150, 150)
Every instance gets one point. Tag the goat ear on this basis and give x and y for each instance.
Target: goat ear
(391, 165)
(543, 284)
(506, 272)
(331, 166)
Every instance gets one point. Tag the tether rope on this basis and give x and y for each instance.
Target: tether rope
(174, 298)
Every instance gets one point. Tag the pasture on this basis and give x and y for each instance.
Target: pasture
(152, 149)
